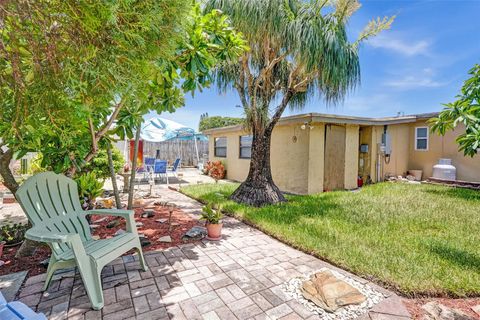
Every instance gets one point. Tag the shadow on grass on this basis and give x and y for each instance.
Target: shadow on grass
(290, 212)
(458, 193)
(458, 256)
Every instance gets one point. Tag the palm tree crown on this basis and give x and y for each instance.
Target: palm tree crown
(297, 48)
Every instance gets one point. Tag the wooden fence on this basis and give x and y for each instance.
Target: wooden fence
(170, 150)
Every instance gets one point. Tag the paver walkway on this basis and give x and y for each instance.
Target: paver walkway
(239, 277)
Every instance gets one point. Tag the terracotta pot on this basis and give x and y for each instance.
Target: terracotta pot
(2, 244)
(214, 231)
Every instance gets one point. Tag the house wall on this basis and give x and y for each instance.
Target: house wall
(290, 160)
(316, 158)
(351, 156)
(468, 168)
(297, 166)
(404, 157)
(400, 140)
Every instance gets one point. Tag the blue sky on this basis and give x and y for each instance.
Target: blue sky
(414, 67)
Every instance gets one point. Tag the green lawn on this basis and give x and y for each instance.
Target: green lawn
(420, 239)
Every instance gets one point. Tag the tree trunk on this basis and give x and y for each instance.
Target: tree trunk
(28, 247)
(113, 176)
(7, 175)
(259, 189)
(134, 168)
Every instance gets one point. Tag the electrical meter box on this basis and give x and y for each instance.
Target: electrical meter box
(364, 148)
(387, 143)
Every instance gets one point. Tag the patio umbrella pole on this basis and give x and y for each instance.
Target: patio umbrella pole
(196, 148)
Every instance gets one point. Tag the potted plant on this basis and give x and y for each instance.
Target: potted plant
(213, 222)
(13, 235)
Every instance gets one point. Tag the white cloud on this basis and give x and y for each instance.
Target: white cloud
(393, 43)
(424, 78)
(412, 82)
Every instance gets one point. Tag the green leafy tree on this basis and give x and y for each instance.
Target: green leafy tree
(209, 40)
(297, 48)
(100, 164)
(218, 122)
(71, 68)
(464, 111)
(67, 68)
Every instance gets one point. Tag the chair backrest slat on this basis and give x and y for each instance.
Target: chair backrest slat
(51, 202)
(175, 164)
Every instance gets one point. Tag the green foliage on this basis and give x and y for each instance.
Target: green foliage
(89, 188)
(14, 233)
(419, 239)
(464, 111)
(218, 122)
(99, 164)
(209, 41)
(36, 165)
(66, 65)
(211, 216)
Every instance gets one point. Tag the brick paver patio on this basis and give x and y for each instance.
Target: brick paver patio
(239, 277)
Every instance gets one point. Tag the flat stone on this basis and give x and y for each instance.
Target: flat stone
(437, 311)
(167, 239)
(101, 219)
(144, 242)
(330, 293)
(195, 233)
(94, 226)
(161, 220)
(113, 224)
(139, 224)
(11, 283)
(95, 237)
(148, 214)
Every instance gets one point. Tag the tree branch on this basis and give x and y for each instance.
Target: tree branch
(92, 133)
(100, 134)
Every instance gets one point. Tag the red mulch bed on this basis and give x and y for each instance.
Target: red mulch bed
(414, 306)
(151, 229)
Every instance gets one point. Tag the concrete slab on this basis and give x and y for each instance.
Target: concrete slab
(11, 283)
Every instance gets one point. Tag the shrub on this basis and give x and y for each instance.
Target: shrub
(215, 169)
(99, 164)
(89, 188)
(14, 233)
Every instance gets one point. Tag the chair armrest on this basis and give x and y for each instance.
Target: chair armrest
(112, 212)
(40, 235)
(127, 214)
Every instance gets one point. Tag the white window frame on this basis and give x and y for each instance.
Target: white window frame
(240, 147)
(215, 147)
(417, 137)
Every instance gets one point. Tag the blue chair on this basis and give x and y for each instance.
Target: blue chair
(149, 164)
(16, 310)
(175, 166)
(160, 168)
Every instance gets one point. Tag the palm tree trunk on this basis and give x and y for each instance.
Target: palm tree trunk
(113, 177)
(134, 168)
(259, 189)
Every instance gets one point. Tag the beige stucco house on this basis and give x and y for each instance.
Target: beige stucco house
(314, 152)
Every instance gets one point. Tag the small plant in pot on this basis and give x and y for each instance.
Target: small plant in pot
(213, 223)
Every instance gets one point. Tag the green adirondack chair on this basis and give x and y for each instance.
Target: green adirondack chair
(52, 206)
